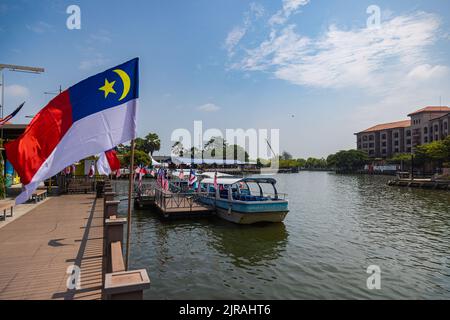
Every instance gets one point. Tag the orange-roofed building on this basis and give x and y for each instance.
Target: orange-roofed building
(385, 140)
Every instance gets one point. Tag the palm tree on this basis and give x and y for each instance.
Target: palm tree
(153, 143)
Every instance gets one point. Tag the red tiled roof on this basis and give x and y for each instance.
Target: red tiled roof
(390, 125)
(430, 109)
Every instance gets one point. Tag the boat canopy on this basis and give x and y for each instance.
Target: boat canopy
(232, 180)
(212, 174)
(176, 173)
(223, 181)
(189, 161)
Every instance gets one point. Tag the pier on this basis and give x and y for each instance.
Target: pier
(68, 247)
(172, 204)
(421, 183)
(38, 248)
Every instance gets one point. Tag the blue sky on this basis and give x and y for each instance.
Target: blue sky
(309, 68)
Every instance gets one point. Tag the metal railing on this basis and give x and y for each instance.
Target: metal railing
(168, 200)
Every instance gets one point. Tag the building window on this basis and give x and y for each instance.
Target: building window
(408, 133)
(365, 145)
(383, 144)
(408, 149)
(365, 138)
(445, 125)
(396, 150)
(408, 141)
(425, 130)
(396, 143)
(383, 136)
(436, 137)
(425, 139)
(384, 151)
(371, 152)
(370, 138)
(396, 135)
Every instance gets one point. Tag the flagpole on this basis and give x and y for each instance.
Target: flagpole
(130, 190)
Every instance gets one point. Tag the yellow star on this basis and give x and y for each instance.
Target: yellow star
(108, 88)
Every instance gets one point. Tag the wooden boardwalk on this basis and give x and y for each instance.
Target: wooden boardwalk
(37, 248)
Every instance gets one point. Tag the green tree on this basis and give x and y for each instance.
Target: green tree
(348, 161)
(178, 149)
(236, 152)
(140, 158)
(149, 144)
(286, 156)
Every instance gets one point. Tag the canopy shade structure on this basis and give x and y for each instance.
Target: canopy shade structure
(176, 173)
(212, 174)
(233, 180)
(223, 181)
(155, 163)
(189, 161)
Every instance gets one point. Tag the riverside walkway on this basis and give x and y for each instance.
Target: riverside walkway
(37, 248)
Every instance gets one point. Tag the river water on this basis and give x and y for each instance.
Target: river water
(338, 226)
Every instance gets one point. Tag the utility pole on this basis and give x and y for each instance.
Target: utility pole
(13, 68)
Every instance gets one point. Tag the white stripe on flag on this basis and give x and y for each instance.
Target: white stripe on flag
(89, 136)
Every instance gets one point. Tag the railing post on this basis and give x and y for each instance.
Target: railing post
(113, 233)
(111, 208)
(126, 285)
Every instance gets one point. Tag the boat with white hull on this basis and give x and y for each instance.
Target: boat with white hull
(234, 200)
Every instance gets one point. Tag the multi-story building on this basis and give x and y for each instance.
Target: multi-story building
(385, 140)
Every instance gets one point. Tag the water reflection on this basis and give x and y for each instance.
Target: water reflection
(249, 245)
(337, 226)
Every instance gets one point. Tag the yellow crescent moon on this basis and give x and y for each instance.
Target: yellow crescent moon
(126, 82)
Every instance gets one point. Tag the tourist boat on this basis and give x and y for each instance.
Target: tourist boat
(235, 201)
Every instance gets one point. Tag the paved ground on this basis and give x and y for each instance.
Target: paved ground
(19, 211)
(37, 248)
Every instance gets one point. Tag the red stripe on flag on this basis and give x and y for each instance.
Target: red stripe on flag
(34, 146)
(113, 161)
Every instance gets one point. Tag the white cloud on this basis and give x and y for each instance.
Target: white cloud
(92, 63)
(257, 9)
(17, 91)
(236, 34)
(40, 27)
(289, 7)
(208, 107)
(346, 58)
(101, 37)
(233, 38)
(427, 72)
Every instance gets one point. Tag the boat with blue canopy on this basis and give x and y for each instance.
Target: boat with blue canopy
(244, 200)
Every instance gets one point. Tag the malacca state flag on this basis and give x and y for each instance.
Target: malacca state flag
(89, 118)
(108, 163)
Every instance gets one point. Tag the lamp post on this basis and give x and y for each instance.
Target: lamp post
(14, 68)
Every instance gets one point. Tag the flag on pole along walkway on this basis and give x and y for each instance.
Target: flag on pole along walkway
(215, 181)
(108, 163)
(90, 117)
(192, 177)
(10, 116)
(91, 171)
